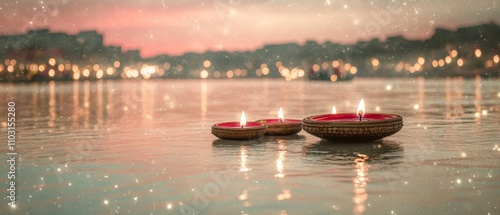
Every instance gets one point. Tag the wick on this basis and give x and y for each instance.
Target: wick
(360, 118)
(242, 126)
(280, 120)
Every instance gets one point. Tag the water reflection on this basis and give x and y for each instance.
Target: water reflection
(360, 182)
(453, 96)
(358, 155)
(294, 137)
(477, 98)
(221, 143)
(281, 158)
(244, 159)
(344, 153)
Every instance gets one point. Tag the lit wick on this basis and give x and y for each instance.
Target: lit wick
(361, 109)
(281, 118)
(334, 110)
(243, 120)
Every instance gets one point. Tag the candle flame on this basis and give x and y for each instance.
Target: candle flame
(243, 120)
(361, 109)
(281, 118)
(334, 110)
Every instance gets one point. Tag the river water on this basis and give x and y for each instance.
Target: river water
(145, 147)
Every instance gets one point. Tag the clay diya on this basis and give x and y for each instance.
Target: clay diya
(281, 126)
(353, 127)
(242, 130)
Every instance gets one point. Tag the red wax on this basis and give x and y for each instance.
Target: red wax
(352, 117)
(237, 125)
(277, 121)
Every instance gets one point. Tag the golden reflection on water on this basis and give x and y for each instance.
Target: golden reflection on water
(281, 157)
(52, 104)
(421, 93)
(86, 104)
(243, 159)
(454, 98)
(99, 103)
(203, 99)
(76, 105)
(477, 98)
(360, 181)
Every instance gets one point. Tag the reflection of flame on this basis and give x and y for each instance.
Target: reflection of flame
(243, 120)
(361, 108)
(286, 194)
(243, 160)
(334, 110)
(279, 164)
(360, 181)
(281, 118)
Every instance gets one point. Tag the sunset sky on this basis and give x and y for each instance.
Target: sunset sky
(174, 27)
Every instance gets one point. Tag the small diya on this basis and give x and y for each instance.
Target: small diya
(239, 130)
(344, 127)
(281, 126)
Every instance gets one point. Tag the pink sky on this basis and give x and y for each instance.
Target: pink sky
(175, 27)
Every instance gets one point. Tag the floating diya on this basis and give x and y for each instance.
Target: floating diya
(242, 130)
(354, 127)
(281, 126)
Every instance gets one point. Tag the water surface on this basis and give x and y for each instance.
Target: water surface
(145, 147)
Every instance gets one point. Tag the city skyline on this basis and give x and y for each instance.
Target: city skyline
(174, 28)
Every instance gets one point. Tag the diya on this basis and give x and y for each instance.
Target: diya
(281, 126)
(354, 127)
(239, 130)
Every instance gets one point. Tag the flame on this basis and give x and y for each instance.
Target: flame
(361, 108)
(334, 110)
(243, 120)
(281, 118)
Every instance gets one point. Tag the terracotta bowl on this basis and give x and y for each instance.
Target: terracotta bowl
(353, 131)
(277, 129)
(246, 133)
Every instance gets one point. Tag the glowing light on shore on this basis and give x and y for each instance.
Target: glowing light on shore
(110, 71)
(86, 72)
(354, 70)
(41, 67)
(478, 53)
(347, 66)
(435, 63)
(207, 63)
(76, 76)
(52, 73)
(204, 74)
(496, 58)
(116, 64)
(447, 59)
(335, 63)
(99, 74)
(441, 62)
(315, 68)
(333, 77)
(460, 62)
(453, 53)
(265, 71)
(375, 62)
(421, 60)
(52, 61)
